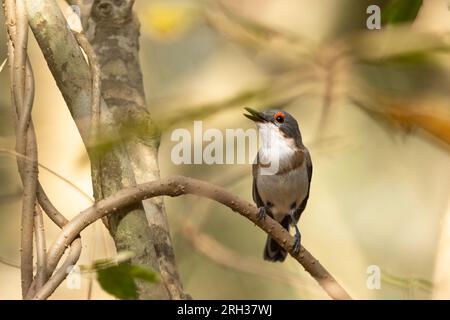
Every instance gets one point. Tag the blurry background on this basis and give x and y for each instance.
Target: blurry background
(374, 110)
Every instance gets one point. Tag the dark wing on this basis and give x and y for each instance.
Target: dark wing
(256, 197)
(309, 169)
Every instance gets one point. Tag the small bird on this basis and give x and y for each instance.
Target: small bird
(282, 174)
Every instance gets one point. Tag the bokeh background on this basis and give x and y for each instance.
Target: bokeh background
(374, 111)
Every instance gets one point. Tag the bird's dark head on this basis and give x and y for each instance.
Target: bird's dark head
(276, 119)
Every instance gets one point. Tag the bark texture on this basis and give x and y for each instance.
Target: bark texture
(125, 151)
(113, 31)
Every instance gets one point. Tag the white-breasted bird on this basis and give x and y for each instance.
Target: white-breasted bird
(282, 174)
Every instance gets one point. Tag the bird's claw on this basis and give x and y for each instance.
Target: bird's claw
(261, 213)
(296, 246)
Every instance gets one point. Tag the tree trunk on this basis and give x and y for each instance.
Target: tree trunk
(128, 155)
(113, 31)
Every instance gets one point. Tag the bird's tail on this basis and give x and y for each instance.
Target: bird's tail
(273, 251)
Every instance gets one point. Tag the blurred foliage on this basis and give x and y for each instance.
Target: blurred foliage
(400, 11)
(118, 277)
(395, 75)
(391, 53)
(410, 116)
(168, 20)
(120, 280)
(406, 283)
(392, 64)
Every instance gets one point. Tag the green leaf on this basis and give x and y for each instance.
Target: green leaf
(400, 11)
(142, 273)
(119, 280)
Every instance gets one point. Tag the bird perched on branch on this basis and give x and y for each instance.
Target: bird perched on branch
(281, 174)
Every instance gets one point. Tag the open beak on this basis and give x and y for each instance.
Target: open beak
(254, 115)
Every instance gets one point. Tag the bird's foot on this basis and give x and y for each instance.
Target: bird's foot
(297, 239)
(262, 212)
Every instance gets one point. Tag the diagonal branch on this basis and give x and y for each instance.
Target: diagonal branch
(179, 185)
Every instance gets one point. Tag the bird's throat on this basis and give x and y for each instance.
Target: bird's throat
(277, 151)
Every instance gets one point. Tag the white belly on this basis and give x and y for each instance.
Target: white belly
(283, 190)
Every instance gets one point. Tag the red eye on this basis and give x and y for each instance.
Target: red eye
(279, 117)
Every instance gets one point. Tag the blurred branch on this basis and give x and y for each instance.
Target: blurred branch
(396, 41)
(223, 256)
(381, 48)
(441, 279)
(279, 90)
(286, 45)
(432, 117)
(329, 65)
(52, 172)
(11, 196)
(204, 110)
(9, 263)
(3, 64)
(179, 185)
(406, 283)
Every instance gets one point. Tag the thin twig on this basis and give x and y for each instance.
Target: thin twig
(9, 263)
(96, 84)
(61, 273)
(25, 125)
(95, 125)
(42, 166)
(95, 136)
(93, 243)
(49, 208)
(179, 185)
(329, 66)
(41, 253)
(284, 44)
(26, 149)
(23, 95)
(58, 219)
